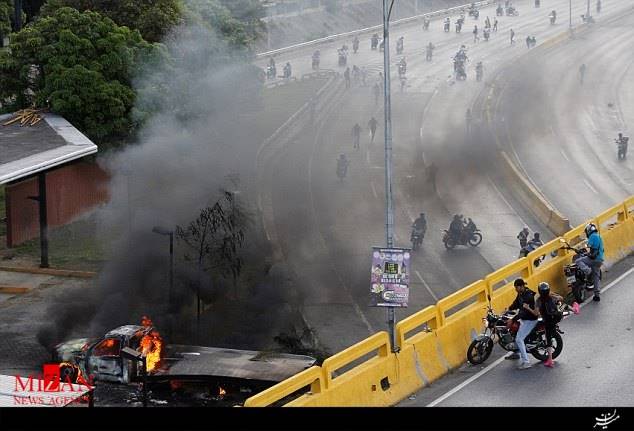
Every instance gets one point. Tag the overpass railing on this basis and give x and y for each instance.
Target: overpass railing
(434, 340)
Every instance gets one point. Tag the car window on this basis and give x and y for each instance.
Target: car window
(108, 347)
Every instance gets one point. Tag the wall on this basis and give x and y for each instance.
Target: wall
(71, 190)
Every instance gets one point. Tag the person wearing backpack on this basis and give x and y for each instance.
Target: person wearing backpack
(550, 313)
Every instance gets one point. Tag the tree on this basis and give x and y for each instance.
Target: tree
(79, 65)
(6, 11)
(152, 18)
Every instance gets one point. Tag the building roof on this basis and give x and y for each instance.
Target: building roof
(27, 150)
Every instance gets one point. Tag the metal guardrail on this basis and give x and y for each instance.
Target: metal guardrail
(374, 28)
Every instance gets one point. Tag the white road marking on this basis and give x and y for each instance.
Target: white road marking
(563, 153)
(496, 363)
(505, 201)
(376, 195)
(590, 186)
(426, 285)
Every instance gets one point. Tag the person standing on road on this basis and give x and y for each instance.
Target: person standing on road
(512, 37)
(372, 125)
(346, 76)
(475, 34)
(525, 303)
(487, 23)
(582, 73)
(356, 135)
(495, 25)
(591, 264)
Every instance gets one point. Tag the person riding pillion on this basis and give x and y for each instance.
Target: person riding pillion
(591, 264)
(523, 236)
(456, 226)
(527, 316)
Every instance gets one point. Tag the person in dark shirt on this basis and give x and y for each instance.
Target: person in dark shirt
(525, 303)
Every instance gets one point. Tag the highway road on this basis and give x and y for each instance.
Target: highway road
(594, 368)
(326, 228)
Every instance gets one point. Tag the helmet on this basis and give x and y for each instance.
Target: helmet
(519, 282)
(525, 229)
(456, 217)
(543, 288)
(590, 228)
(536, 235)
(422, 214)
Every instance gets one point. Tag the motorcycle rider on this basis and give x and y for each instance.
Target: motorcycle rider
(447, 23)
(591, 264)
(547, 304)
(402, 67)
(553, 16)
(621, 143)
(428, 51)
(271, 70)
(426, 22)
(420, 226)
(523, 236)
(525, 303)
(456, 226)
(374, 41)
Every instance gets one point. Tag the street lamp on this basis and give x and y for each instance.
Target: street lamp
(387, 110)
(163, 231)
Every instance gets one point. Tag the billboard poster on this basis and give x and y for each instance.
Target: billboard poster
(389, 282)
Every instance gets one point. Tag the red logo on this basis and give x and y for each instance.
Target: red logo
(50, 374)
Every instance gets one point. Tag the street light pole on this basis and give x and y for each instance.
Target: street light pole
(570, 4)
(389, 210)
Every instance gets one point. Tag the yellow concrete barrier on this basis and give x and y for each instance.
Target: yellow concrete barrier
(439, 340)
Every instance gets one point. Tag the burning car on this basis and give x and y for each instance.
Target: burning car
(102, 359)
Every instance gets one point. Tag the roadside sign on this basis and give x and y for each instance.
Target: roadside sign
(389, 280)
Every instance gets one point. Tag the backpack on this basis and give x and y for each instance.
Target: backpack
(552, 311)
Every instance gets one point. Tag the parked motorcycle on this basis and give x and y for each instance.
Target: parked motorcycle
(503, 329)
(473, 238)
(499, 11)
(511, 11)
(579, 283)
(459, 70)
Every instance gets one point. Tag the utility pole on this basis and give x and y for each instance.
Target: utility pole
(588, 10)
(570, 4)
(387, 110)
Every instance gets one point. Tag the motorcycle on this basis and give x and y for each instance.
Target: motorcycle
(529, 248)
(511, 11)
(503, 329)
(499, 11)
(270, 72)
(458, 27)
(579, 283)
(459, 69)
(374, 42)
(426, 24)
(486, 34)
(473, 238)
(417, 238)
(402, 68)
(622, 147)
(399, 48)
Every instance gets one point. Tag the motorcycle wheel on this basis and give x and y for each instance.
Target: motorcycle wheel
(542, 354)
(449, 243)
(475, 239)
(479, 351)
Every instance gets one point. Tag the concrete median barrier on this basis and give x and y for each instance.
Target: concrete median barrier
(431, 342)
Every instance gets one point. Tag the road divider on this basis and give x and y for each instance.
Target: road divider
(50, 271)
(434, 341)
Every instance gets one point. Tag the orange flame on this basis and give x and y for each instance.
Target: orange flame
(221, 392)
(151, 346)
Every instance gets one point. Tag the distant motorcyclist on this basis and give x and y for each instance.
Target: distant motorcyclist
(419, 226)
(486, 34)
(271, 70)
(621, 143)
(499, 11)
(475, 33)
(591, 264)
(527, 316)
(447, 23)
(287, 70)
(469, 228)
(355, 44)
(487, 23)
(523, 236)
(429, 51)
(456, 226)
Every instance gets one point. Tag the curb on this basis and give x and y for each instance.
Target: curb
(50, 271)
(5, 288)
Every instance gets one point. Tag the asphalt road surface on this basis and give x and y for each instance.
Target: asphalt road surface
(326, 227)
(594, 368)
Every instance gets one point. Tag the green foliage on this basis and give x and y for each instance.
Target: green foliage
(152, 18)
(6, 10)
(78, 64)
